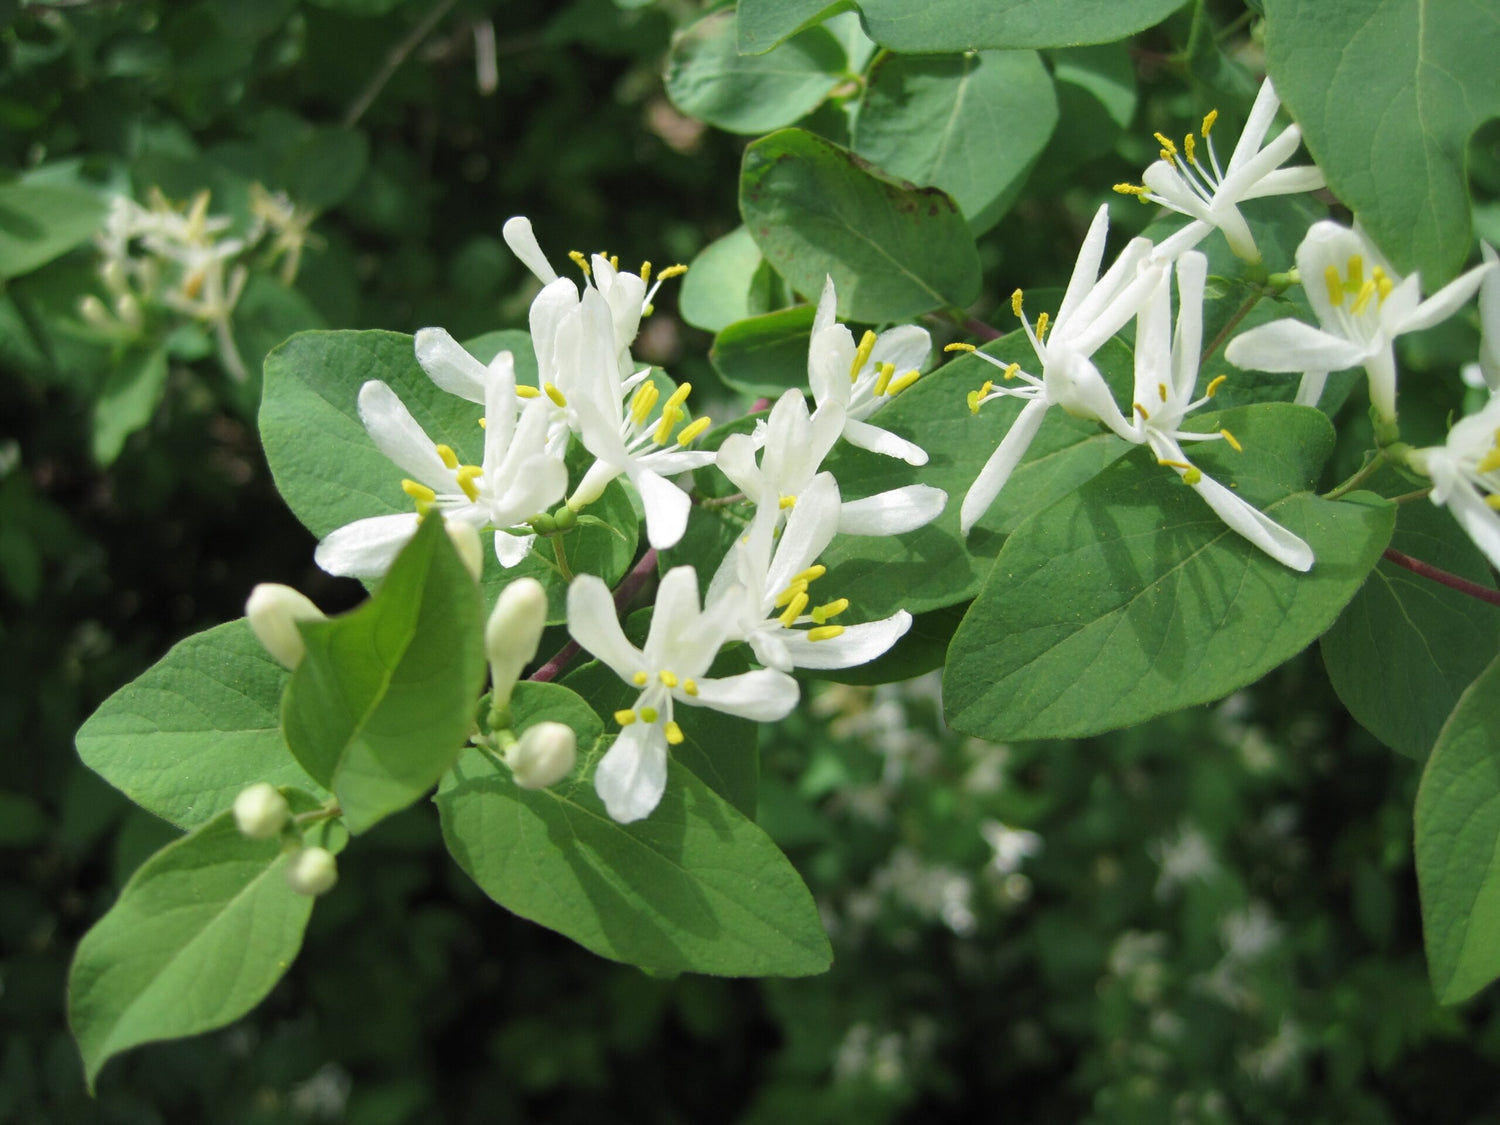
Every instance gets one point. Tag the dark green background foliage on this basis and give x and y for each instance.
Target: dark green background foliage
(1222, 922)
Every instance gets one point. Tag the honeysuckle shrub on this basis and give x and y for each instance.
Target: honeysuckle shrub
(865, 501)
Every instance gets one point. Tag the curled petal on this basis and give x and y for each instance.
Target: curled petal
(449, 365)
(876, 440)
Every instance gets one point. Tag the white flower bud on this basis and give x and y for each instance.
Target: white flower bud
(466, 542)
(94, 313)
(261, 811)
(543, 756)
(311, 871)
(274, 611)
(513, 632)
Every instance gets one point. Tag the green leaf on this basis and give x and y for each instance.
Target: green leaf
(1130, 598)
(385, 697)
(323, 166)
(1406, 647)
(199, 935)
(130, 395)
(186, 736)
(39, 222)
(971, 124)
(967, 25)
(815, 210)
(934, 566)
(533, 703)
(921, 651)
(764, 355)
(1096, 101)
(1387, 93)
(727, 281)
(694, 887)
(708, 79)
(1457, 826)
(765, 23)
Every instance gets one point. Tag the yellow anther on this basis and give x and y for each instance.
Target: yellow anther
(450, 459)
(825, 632)
(901, 382)
(1173, 464)
(1234, 442)
(614, 261)
(671, 414)
(1383, 283)
(1366, 291)
(690, 687)
(811, 574)
(625, 717)
(1189, 148)
(862, 353)
(1011, 371)
(1170, 158)
(1489, 462)
(649, 714)
(1166, 143)
(679, 396)
(959, 347)
(1214, 384)
(580, 261)
(1015, 302)
(648, 309)
(1041, 326)
(794, 609)
(1335, 285)
(418, 492)
(1132, 189)
(645, 271)
(639, 679)
(466, 478)
(1493, 501)
(525, 390)
(668, 678)
(484, 423)
(642, 402)
(786, 502)
(977, 397)
(693, 429)
(672, 271)
(555, 395)
(1161, 390)
(1356, 272)
(793, 588)
(884, 380)
(1208, 121)
(1141, 410)
(831, 609)
(1192, 476)
(673, 733)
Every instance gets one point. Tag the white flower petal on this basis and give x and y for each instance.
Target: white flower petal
(397, 434)
(1446, 301)
(1001, 464)
(511, 550)
(632, 775)
(865, 436)
(449, 365)
(1290, 345)
(857, 644)
(894, 512)
(763, 696)
(905, 347)
(365, 548)
(666, 505)
(1243, 517)
(594, 625)
(523, 244)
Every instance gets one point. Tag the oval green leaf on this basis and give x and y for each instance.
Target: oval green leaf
(970, 25)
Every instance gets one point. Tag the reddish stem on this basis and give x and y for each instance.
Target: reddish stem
(1453, 581)
(629, 587)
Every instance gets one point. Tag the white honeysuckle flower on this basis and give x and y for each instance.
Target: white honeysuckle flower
(1465, 474)
(1093, 309)
(862, 378)
(517, 478)
(792, 443)
(272, 611)
(761, 591)
(624, 438)
(1210, 195)
(1166, 373)
(1486, 372)
(1362, 305)
(543, 755)
(512, 634)
(311, 871)
(671, 669)
(260, 811)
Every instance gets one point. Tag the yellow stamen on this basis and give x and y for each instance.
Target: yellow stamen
(466, 478)
(1166, 143)
(1041, 327)
(1189, 145)
(1383, 283)
(555, 395)
(614, 261)
(1366, 291)
(679, 396)
(1208, 121)
(639, 679)
(418, 492)
(450, 459)
(668, 678)
(690, 687)
(1141, 410)
(956, 347)
(671, 414)
(1132, 189)
(1335, 285)
(645, 271)
(1493, 502)
(525, 390)
(900, 383)
(862, 353)
(625, 717)
(484, 423)
(794, 609)
(793, 588)
(884, 380)
(977, 397)
(642, 401)
(825, 632)
(580, 261)
(1192, 476)
(811, 574)
(672, 271)
(1015, 302)
(1161, 390)
(832, 609)
(1356, 272)
(650, 714)
(1234, 442)
(693, 429)
(1173, 464)
(1011, 371)
(786, 502)
(673, 733)
(1490, 462)
(1215, 384)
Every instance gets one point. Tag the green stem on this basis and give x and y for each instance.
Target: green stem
(1234, 322)
(1369, 470)
(1408, 497)
(562, 557)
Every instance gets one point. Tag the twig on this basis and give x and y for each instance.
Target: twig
(1452, 581)
(1365, 473)
(393, 62)
(1234, 322)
